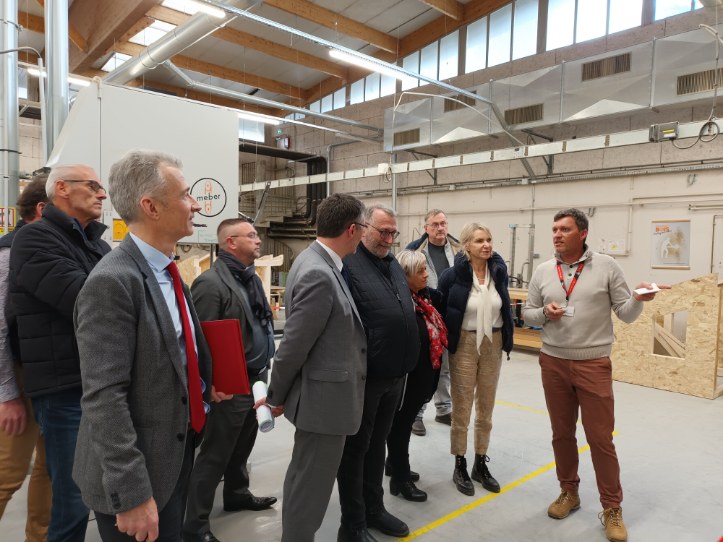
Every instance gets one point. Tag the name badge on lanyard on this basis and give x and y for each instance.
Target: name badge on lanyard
(569, 309)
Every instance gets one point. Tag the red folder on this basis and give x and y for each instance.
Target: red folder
(229, 359)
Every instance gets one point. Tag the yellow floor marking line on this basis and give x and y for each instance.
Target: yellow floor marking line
(487, 498)
(521, 407)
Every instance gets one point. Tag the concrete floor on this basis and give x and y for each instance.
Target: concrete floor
(669, 447)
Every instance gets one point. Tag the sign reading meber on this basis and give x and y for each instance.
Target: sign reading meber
(210, 195)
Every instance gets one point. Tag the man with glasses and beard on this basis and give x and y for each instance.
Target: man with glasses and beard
(380, 291)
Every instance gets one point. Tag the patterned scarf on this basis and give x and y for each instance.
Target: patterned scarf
(435, 328)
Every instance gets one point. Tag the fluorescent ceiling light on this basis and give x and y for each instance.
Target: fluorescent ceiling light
(152, 33)
(192, 7)
(77, 81)
(257, 117)
(363, 63)
(114, 61)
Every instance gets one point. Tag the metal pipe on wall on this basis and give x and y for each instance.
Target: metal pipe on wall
(9, 138)
(56, 52)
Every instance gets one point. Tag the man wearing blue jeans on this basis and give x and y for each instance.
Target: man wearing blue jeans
(50, 260)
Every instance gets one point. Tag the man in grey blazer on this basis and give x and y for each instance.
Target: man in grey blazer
(231, 289)
(319, 370)
(140, 361)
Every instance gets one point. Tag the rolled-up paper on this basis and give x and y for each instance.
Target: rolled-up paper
(263, 413)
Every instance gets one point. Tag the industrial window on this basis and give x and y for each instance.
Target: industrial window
(524, 31)
(251, 130)
(315, 107)
(449, 56)
(668, 8)
(152, 33)
(410, 63)
(371, 91)
(560, 23)
(327, 103)
(340, 98)
(429, 60)
(500, 36)
(388, 86)
(356, 94)
(591, 19)
(476, 53)
(625, 14)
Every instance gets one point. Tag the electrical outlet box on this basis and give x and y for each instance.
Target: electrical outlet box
(661, 132)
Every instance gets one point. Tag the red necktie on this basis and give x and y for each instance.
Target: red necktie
(198, 412)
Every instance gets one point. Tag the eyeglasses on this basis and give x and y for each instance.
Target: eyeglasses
(95, 186)
(252, 235)
(437, 225)
(385, 233)
(361, 224)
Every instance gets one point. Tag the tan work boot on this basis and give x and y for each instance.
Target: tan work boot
(564, 504)
(612, 520)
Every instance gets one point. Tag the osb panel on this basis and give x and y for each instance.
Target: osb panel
(634, 362)
(190, 268)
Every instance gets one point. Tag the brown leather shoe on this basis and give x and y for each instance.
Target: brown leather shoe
(563, 505)
(612, 520)
(418, 427)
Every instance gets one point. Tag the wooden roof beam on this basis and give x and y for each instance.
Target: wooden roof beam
(103, 22)
(75, 37)
(339, 23)
(251, 41)
(450, 8)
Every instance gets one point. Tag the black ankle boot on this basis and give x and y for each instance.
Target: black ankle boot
(460, 476)
(408, 490)
(481, 474)
(388, 471)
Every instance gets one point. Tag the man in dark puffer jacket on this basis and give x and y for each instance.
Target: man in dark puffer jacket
(382, 296)
(49, 263)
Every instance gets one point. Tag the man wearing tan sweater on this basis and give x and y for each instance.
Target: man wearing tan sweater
(571, 296)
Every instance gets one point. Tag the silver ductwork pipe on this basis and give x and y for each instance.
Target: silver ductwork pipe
(196, 28)
(56, 52)
(386, 65)
(9, 138)
(248, 98)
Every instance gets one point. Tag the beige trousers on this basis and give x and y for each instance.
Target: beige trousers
(474, 378)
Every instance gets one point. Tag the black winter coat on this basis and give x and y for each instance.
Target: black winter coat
(49, 262)
(455, 285)
(387, 312)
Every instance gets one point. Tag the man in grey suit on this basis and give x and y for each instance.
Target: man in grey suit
(319, 370)
(231, 289)
(143, 361)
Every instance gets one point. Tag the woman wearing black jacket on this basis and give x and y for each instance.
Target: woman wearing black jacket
(477, 311)
(422, 381)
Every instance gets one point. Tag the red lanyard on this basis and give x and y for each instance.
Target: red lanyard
(568, 291)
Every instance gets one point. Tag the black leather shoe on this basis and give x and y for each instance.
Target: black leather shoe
(354, 535)
(199, 537)
(408, 490)
(460, 476)
(444, 418)
(413, 476)
(481, 474)
(388, 524)
(249, 502)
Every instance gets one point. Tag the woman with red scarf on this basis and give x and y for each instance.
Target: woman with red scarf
(422, 381)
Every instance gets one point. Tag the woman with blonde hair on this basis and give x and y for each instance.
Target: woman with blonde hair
(478, 315)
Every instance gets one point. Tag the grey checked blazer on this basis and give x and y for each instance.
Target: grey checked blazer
(319, 370)
(135, 417)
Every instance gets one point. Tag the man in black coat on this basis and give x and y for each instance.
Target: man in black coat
(381, 294)
(49, 263)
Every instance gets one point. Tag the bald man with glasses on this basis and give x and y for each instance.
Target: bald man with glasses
(380, 291)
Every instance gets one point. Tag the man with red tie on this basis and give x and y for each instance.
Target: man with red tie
(145, 366)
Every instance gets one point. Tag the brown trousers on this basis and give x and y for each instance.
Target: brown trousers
(585, 386)
(15, 455)
(474, 377)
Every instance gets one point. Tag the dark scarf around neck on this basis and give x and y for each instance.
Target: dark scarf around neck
(247, 276)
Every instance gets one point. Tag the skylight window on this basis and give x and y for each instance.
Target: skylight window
(191, 7)
(114, 61)
(152, 33)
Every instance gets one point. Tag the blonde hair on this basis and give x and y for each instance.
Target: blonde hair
(411, 261)
(467, 234)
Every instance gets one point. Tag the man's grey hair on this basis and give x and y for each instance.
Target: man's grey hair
(434, 212)
(369, 212)
(139, 173)
(60, 172)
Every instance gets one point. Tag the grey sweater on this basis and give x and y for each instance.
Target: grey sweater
(601, 287)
